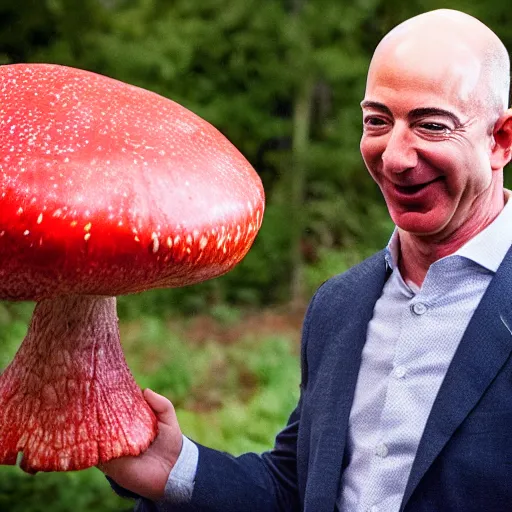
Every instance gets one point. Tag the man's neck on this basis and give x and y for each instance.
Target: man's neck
(417, 253)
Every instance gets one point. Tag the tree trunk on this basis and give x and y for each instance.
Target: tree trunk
(298, 175)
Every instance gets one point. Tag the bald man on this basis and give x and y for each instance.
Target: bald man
(406, 392)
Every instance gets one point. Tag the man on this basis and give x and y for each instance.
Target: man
(406, 392)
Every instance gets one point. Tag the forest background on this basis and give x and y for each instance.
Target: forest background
(282, 79)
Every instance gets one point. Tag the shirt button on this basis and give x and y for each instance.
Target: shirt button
(400, 372)
(381, 450)
(419, 308)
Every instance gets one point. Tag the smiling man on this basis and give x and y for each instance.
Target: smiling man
(406, 392)
(436, 130)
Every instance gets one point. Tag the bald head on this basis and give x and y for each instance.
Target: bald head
(473, 55)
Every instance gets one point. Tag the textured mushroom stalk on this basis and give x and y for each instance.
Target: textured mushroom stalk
(68, 400)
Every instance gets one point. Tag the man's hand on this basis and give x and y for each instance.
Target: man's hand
(147, 473)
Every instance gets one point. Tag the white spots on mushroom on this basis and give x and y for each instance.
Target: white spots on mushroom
(26, 232)
(40, 218)
(87, 236)
(169, 242)
(136, 238)
(189, 239)
(87, 227)
(57, 213)
(220, 241)
(203, 242)
(20, 211)
(156, 243)
(2, 233)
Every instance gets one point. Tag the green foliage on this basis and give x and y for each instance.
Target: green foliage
(266, 372)
(14, 320)
(59, 492)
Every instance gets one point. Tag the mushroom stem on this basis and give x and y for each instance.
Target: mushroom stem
(68, 400)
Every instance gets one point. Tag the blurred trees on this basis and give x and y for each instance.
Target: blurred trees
(282, 79)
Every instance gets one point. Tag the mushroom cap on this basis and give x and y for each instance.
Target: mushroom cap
(107, 189)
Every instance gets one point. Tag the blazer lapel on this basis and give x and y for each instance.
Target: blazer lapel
(343, 328)
(482, 352)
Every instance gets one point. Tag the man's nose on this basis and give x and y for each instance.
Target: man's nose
(400, 153)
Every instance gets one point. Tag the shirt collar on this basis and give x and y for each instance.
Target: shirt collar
(487, 249)
(392, 250)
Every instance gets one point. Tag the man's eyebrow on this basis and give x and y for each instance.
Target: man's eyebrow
(377, 106)
(433, 111)
(416, 113)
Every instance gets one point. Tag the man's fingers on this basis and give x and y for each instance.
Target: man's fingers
(161, 406)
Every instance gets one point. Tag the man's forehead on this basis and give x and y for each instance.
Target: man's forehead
(451, 77)
(412, 59)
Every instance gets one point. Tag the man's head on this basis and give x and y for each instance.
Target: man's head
(437, 132)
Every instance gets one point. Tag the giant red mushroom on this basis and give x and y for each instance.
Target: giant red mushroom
(105, 189)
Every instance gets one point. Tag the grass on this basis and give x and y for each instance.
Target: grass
(233, 395)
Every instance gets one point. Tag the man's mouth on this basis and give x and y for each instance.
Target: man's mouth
(414, 189)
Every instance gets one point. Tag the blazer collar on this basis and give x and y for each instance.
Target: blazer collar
(341, 323)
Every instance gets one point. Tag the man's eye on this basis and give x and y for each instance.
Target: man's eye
(371, 121)
(434, 127)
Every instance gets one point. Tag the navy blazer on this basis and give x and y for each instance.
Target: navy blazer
(464, 459)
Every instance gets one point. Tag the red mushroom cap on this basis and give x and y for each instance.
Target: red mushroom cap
(106, 188)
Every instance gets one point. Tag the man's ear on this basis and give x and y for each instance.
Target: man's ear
(501, 152)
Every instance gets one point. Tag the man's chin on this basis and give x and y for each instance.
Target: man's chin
(419, 224)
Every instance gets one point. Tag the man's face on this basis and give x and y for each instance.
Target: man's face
(426, 141)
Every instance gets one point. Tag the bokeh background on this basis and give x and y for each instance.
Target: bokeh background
(282, 79)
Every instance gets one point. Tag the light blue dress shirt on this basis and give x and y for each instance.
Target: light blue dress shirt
(411, 341)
